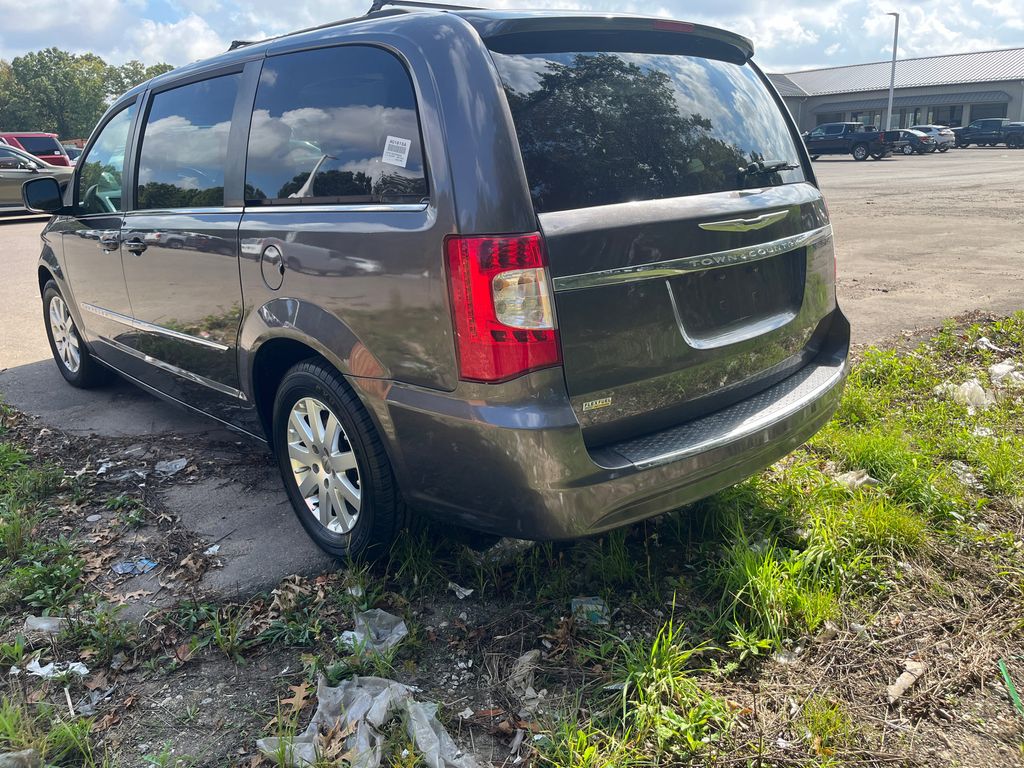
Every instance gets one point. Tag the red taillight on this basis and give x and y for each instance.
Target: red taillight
(501, 302)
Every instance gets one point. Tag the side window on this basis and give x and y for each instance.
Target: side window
(975, 124)
(10, 160)
(184, 145)
(98, 181)
(335, 125)
(834, 130)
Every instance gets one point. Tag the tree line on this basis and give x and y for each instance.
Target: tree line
(62, 92)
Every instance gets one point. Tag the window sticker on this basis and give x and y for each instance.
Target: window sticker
(396, 151)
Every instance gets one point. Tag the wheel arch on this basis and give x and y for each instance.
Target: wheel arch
(282, 333)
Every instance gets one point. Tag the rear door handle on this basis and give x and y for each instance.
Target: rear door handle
(135, 245)
(110, 241)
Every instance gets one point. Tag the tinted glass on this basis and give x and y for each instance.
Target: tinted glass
(40, 145)
(11, 160)
(334, 125)
(185, 145)
(600, 128)
(99, 171)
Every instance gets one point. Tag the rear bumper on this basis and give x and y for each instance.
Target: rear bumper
(511, 460)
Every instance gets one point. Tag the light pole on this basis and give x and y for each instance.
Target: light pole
(892, 74)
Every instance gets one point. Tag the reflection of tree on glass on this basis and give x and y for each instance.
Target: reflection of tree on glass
(601, 125)
(602, 128)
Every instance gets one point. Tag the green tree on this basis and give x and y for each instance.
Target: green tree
(131, 73)
(62, 92)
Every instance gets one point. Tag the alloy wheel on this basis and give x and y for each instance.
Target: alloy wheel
(65, 336)
(324, 465)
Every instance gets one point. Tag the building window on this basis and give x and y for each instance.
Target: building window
(829, 117)
(952, 116)
(870, 117)
(981, 111)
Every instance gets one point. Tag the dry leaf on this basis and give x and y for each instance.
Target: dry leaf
(295, 702)
(97, 681)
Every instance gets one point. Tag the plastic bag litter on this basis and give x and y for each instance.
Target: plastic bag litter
(133, 567)
(460, 592)
(592, 610)
(361, 706)
(55, 669)
(986, 343)
(46, 625)
(1005, 375)
(376, 630)
(855, 479)
(521, 680)
(970, 393)
(503, 552)
(168, 468)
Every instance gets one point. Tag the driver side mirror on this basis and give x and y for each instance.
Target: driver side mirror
(42, 195)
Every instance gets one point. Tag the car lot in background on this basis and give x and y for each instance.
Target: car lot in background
(917, 141)
(45, 146)
(73, 152)
(991, 132)
(17, 167)
(943, 137)
(856, 139)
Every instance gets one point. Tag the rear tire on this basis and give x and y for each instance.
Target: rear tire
(860, 152)
(944, 148)
(74, 360)
(333, 464)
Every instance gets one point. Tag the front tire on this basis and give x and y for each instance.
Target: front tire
(860, 152)
(333, 464)
(74, 360)
(944, 148)
(908, 150)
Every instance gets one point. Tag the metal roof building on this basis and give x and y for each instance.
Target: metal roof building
(949, 90)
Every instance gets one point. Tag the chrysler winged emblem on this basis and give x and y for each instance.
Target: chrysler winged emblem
(744, 225)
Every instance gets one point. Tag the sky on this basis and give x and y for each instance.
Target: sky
(788, 34)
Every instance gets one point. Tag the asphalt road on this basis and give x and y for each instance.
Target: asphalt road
(919, 239)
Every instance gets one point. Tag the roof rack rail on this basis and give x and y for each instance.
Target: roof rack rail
(378, 8)
(379, 5)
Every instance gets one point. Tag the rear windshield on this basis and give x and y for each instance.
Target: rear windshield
(602, 128)
(40, 145)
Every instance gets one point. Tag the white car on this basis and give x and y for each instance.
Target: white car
(944, 138)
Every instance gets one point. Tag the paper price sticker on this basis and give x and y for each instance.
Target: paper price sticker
(396, 151)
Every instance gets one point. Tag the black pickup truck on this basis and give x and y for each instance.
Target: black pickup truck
(990, 131)
(854, 139)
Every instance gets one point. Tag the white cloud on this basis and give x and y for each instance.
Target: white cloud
(788, 34)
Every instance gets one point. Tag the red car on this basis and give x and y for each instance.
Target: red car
(43, 145)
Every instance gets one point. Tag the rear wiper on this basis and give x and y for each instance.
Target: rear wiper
(761, 167)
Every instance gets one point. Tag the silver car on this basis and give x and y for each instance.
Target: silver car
(943, 136)
(17, 167)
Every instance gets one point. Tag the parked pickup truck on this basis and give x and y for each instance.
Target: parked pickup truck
(854, 139)
(990, 131)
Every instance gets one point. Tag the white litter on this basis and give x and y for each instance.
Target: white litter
(460, 592)
(521, 681)
(982, 432)
(168, 468)
(361, 706)
(211, 550)
(970, 393)
(986, 343)
(56, 669)
(47, 625)
(93, 518)
(376, 631)
(1006, 375)
(856, 479)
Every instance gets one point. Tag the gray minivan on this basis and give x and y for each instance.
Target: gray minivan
(540, 274)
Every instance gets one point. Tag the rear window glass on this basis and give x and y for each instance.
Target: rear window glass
(40, 145)
(334, 125)
(602, 128)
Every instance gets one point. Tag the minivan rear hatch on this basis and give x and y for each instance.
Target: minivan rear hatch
(689, 249)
